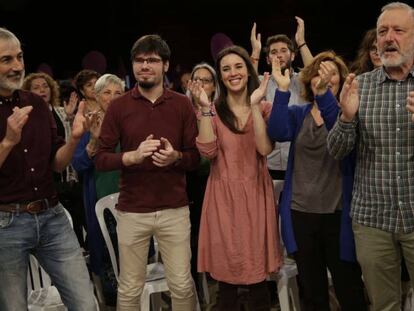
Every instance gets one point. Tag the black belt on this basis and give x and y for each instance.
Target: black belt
(33, 207)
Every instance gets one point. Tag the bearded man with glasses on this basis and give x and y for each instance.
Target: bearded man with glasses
(156, 129)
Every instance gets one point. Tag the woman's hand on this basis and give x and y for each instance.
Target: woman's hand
(326, 71)
(282, 78)
(198, 93)
(70, 106)
(260, 93)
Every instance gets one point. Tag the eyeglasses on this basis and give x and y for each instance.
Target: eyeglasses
(149, 60)
(203, 80)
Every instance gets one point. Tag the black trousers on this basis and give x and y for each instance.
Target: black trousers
(258, 298)
(196, 187)
(317, 238)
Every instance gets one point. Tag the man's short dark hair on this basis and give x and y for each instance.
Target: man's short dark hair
(151, 44)
(279, 38)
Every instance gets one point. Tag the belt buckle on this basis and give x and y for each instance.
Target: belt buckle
(35, 207)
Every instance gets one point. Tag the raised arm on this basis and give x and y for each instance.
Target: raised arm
(205, 131)
(326, 101)
(305, 53)
(342, 137)
(263, 143)
(281, 122)
(81, 124)
(206, 140)
(255, 40)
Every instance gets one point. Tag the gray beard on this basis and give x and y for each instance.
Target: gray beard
(12, 85)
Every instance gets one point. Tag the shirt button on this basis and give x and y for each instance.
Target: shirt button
(398, 106)
(35, 188)
(25, 150)
(32, 169)
(400, 202)
(397, 153)
(398, 177)
(398, 129)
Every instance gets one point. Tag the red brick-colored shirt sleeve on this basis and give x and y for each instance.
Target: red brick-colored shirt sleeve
(107, 159)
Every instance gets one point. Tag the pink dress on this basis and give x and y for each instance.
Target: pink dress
(239, 236)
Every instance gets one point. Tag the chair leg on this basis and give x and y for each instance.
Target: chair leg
(283, 293)
(97, 284)
(205, 290)
(156, 301)
(197, 302)
(294, 294)
(145, 299)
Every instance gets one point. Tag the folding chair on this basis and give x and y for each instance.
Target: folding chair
(155, 281)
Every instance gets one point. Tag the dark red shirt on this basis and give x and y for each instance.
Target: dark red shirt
(130, 119)
(27, 174)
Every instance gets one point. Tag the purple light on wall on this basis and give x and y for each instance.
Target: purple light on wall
(218, 42)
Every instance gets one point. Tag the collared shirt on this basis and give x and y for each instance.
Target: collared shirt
(277, 159)
(130, 119)
(383, 133)
(27, 174)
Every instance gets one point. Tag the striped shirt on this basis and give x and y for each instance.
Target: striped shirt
(383, 133)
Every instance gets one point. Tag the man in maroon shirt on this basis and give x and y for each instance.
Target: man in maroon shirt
(32, 221)
(156, 128)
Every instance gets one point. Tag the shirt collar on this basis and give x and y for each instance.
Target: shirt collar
(383, 76)
(167, 94)
(13, 100)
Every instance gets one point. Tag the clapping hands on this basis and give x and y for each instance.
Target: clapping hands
(282, 78)
(260, 93)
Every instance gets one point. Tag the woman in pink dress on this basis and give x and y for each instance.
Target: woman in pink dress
(239, 241)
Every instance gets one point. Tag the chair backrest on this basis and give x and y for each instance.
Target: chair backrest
(37, 278)
(108, 203)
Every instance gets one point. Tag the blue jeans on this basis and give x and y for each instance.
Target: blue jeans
(50, 238)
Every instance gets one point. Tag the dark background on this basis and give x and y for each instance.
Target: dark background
(111, 27)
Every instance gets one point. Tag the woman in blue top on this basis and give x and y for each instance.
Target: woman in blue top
(314, 207)
(98, 184)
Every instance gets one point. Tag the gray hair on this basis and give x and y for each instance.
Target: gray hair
(106, 79)
(8, 35)
(208, 67)
(397, 6)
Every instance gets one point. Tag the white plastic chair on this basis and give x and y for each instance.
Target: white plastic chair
(287, 287)
(155, 280)
(42, 295)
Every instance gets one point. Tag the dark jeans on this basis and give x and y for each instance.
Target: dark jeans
(317, 238)
(257, 297)
(50, 238)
